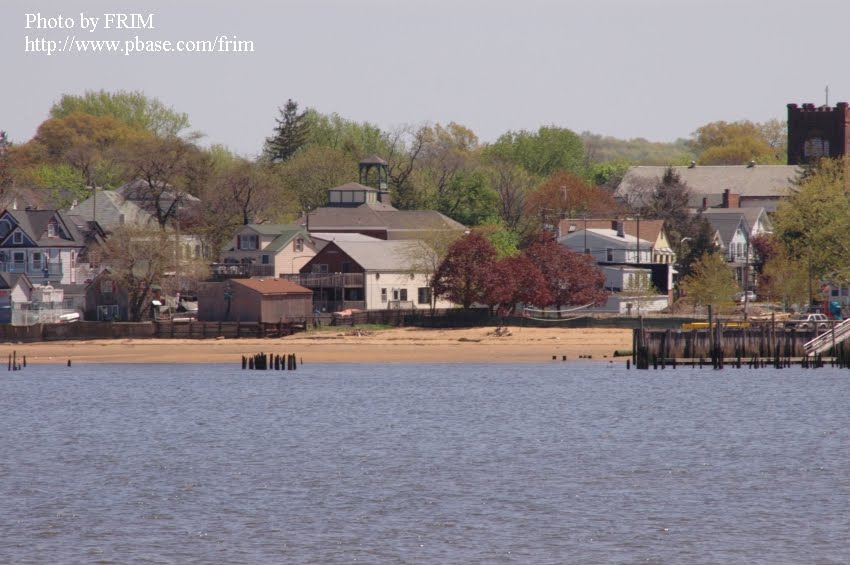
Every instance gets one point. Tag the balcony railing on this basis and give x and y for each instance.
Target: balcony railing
(50, 270)
(241, 271)
(327, 280)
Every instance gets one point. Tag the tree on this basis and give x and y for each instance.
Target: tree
(87, 143)
(355, 139)
(513, 184)
(290, 134)
(737, 143)
(565, 194)
(518, 281)
(465, 275)
(543, 152)
(786, 279)
(306, 177)
(813, 222)
(573, 279)
(469, 199)
(696, 240)
(138, 258)
(132, 108)
(159, 167)
(711, 283)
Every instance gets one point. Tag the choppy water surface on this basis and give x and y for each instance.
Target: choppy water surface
(559, 463)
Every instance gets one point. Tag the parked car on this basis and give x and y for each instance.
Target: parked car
(807, 322)
(748, 296)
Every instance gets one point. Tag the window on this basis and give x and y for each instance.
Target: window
(36, 258)
(320, 267)
(299, 244)
(383, 295)
(610, 254)
(248, 242)
(395, 294)
(5, 227)
(264, 259)
(17, 237)
(423, 295)
(403, 294)
(51, 230)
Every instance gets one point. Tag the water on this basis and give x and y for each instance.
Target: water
(548, 463)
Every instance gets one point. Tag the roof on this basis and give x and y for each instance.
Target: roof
(373, 160)
(608, 234)
(354, 186)
(11, 280)
(726, 225)
(138, 190)
(342, 236)
(649, 230)
(111, 210)
(364, 217)
(381, 255)
(751, 215)
(34, 224)
(271, 286)
(760, 181)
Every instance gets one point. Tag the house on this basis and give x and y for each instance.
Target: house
(15, 297)
(651, 231)
(254, 300)
(106, 299)
(46, 245)
(134, 204)
(636, 283)
(751, 185)
(265, 250)
(370, 275)
(367, 209)
(732, 234)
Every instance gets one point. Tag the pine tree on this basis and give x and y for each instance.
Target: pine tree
(289, 134)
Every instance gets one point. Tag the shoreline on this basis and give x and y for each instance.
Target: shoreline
(400, 345)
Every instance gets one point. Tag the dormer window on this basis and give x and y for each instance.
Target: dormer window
(248, 242)
(299, 244)
(17, 238)
(51, 230)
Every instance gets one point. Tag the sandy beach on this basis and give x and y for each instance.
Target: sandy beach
(400, 345)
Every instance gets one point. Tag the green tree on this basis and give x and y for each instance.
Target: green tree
(737, 143)
(710, 283)
(786, 279)
(543, 152)
(290, 134)
(813, 222)
(356, 139)
(133, 108)
(306, 177)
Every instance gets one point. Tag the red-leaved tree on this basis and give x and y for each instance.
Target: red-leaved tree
(465, 275)
(517, 280)
(572, 278)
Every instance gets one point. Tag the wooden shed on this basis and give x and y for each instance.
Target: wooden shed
(254, 300)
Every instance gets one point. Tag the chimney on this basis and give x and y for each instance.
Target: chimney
(615, 224)
(621, 231)
(384, 197)
(705, 203)
(731, 199)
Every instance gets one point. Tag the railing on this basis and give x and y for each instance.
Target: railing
(52, 270)
(824, 341)
(327, 280)
(240, 271)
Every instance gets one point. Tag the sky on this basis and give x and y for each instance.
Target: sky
(656, 69)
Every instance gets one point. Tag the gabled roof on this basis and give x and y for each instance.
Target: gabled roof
(11, 280)
(649, 230)
(727, 225)
(627, 240)
(33, 223)
(759, 181)
(271, 286)
(111, 210)
(381, 255)
(752, 216)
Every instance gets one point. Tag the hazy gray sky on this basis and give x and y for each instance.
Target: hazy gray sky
(656, 69)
